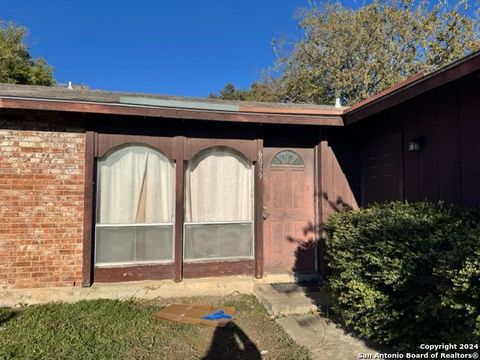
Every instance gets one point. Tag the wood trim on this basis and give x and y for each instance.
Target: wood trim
(317, 186)
(291, 110)
(179, 206)
(87, 252)
(133, 273)
(171, 113)
(194, 145)
(108, 142)
(218, 268)
(258, 211)
(386, 92)
(320, 217)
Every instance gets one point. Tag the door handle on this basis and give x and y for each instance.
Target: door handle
(265, 214)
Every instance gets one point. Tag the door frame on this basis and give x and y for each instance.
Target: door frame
(316, 211)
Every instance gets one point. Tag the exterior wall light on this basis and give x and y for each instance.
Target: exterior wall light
(416, 144)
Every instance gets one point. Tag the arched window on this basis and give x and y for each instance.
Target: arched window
(218, 206)
(135, 207)
(287, 158)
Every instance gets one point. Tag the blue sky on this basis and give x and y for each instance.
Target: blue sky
(190, 47)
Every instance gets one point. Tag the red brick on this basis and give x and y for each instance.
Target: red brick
(41, 207)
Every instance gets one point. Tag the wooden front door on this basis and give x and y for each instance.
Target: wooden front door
(288, 210)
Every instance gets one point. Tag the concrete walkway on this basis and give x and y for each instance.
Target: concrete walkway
(303, 313)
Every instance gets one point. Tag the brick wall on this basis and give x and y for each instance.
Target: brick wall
(41, 208)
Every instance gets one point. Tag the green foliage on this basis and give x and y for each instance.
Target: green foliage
(353, 54)
(406, 274)
(257, 92)
(16, 63)
(356, 53)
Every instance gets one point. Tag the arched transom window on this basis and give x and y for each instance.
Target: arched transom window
(135, 207)
(287, 158)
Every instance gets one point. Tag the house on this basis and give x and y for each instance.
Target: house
(100, 186)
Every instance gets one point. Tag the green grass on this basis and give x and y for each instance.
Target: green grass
(113, 329)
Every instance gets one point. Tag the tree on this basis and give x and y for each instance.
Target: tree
(16, 63)
(258, 92)
(356, 53)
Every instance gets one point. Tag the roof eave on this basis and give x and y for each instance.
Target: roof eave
(254, 115)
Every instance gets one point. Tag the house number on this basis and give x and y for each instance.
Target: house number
(260, 164)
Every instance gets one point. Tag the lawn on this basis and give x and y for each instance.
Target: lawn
(113, 329)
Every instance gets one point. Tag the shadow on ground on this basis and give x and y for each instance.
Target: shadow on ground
(230, 342)
(6, 315)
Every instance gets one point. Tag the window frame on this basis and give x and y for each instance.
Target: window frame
(251, 222)
(302, 165)
(97, 172)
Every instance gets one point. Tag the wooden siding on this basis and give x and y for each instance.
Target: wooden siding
(339, 177)
(134, 273)
(447, 120)
(218, 268)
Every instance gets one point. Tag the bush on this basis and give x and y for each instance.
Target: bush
(407, 274)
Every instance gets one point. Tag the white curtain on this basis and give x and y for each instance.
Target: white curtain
(219, 187)
(136, 186)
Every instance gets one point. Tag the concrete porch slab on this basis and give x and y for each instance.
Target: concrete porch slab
(148, 289)
(218, 286)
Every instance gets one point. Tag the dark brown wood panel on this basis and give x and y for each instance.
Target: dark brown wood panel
(195, 145)
(469, 128)
(259, 248)
(87, 254)
(382, 170)
(133, 273)
(428, 159)
(409, 122)
(179, 207)
(218, 268)
(448, 146)
(336, 187)
(447, 167)
(107, 142)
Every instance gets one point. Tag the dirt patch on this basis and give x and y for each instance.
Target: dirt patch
(252, 335)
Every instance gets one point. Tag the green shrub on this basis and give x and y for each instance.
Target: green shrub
(407, 274)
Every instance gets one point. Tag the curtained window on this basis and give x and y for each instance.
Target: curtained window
(218, 206)
(135, 207)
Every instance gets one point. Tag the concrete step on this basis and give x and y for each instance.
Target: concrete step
(287, 299)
